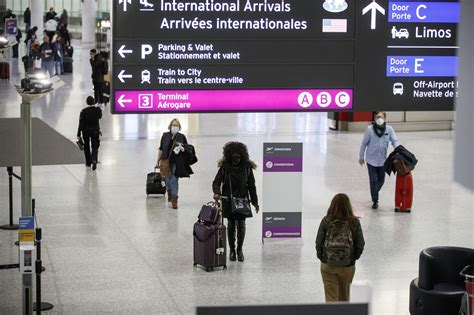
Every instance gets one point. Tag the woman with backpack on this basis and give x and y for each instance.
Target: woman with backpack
(235, 182)
(339, 243)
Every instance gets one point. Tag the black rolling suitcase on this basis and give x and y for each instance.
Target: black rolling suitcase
(155, 184)
(210, 238)
(4, 71)
(67, 65)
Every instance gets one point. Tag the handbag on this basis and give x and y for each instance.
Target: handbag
(240, 206)
(80, 144)
(165, 166)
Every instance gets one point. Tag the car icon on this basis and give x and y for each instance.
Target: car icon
(398, 89)
(402, 33)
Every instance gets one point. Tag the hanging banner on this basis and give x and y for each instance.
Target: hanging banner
(282, 190)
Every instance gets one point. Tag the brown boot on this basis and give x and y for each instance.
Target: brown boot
(174, 201)
(169, 195)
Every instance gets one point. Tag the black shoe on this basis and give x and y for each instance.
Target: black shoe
(232, 255)
(240, 255)
(94, 166)
(88, 165)
(375, 205)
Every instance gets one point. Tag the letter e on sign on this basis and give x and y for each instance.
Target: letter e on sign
(418, 62)
(324, 99)
(305, 99)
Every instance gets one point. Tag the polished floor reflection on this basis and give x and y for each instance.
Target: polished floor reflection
(109, 248)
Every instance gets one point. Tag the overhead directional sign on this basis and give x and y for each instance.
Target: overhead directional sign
(283, 55)
(409, 60)
(373, 8)
(232, 55)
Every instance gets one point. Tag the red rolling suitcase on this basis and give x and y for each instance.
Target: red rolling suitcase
(404, 193)
(210, 239)
(4, 71)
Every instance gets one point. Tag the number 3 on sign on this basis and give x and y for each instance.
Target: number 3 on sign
(145, 100)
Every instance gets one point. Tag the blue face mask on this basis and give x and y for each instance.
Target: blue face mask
(174, 129)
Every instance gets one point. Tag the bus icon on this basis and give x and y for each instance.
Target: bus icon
(398, 88)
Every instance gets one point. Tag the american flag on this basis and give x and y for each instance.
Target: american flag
(334, 25)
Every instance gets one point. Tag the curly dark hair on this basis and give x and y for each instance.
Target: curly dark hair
(233, 147)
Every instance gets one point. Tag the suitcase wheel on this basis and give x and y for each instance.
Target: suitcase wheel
(194, 265)
(208, 269)
(225, 267)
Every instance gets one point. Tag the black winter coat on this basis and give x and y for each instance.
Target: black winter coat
(243, 186)
(183, 169)
(97, 69)
(400, 153)
(357, 237)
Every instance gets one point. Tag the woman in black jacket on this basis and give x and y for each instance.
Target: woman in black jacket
(339, 244)
(236, 171)
(172, 147)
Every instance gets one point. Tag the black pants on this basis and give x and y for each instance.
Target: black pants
(15, 51)
(91, 138)
(98, 91)
(232, 226)
(377, 179)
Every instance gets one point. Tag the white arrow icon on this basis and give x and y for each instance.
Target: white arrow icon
(125, 2)
(123, 76)
(373, 7)
(122, 51)
(121, 100)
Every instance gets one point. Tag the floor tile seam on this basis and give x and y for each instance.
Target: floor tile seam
(56, 287)
(111, 219)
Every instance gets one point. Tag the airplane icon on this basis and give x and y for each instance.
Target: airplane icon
(147, 6)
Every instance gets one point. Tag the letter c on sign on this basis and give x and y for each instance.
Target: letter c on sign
(342, 99)
(324, 99)
(421, 6)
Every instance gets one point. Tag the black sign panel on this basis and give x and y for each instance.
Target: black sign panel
(408, 61)
(252, 55)
(283, 55)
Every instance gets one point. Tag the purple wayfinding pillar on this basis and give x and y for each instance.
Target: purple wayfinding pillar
(282, 190)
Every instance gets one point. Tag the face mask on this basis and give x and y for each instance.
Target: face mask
(174, 129)
(380, 121)
(236, 159)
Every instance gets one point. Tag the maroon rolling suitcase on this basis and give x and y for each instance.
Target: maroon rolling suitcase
(4, 71)
(210, 239)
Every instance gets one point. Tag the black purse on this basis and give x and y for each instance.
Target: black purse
(80, 144)
(240, 206)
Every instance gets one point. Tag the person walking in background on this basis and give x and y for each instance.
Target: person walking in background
(339, 243)
(89, 129)
(97, 65)
(373, 150)
(59, 49)
(64, 18)
(27, 19)
(235, 178)
(47, 56)
(50, 14)
(171, 159)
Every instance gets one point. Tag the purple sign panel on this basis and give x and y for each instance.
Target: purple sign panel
(185, 101)
(281, 225)
(283, 164)
(11, 26)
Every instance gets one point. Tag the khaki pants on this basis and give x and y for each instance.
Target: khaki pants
(337, 282)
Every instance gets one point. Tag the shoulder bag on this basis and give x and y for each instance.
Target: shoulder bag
(240, 206)
(165, 167)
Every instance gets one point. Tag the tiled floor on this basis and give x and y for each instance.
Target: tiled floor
(109, 248)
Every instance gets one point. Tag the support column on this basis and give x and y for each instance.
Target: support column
(89, 12)
(27, 279)
(37, 16)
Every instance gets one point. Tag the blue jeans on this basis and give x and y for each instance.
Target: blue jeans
(376, 179)
(48, 66)
(172, 181)
(58, 66)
